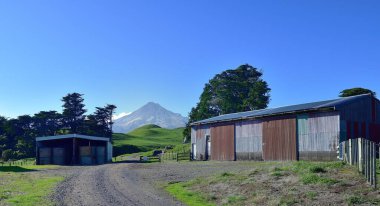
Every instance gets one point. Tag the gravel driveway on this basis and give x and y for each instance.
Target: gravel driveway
(131, 183)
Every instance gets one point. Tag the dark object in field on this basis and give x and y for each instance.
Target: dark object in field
(157, 152)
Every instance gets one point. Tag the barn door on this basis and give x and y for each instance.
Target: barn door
(223, 142)
(279, 139)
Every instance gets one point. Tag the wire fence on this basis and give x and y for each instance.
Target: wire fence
(361, 153)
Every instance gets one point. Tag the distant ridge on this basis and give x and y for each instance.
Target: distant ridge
(149, 114)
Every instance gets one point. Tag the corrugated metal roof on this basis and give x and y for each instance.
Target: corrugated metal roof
(67, 136)
(286, 109)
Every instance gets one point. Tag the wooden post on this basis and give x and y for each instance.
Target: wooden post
(360, 153)
(374, 164)
(370, 163)
(177, 156)
(366, 161)
(365, 158)
(350, 151)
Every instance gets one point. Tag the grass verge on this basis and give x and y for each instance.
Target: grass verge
(182, 193)
(279, 183)
(19, 186)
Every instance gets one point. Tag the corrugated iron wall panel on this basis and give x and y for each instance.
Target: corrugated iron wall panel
(249, 136)
(200, 141)
(193, 134)
(357, 111)
(223, 142)
(318, 136)
(279, 139)
(377, 111)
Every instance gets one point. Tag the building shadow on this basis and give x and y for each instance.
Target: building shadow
(15, 169)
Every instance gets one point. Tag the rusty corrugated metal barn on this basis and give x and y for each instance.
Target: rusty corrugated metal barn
(310, 131)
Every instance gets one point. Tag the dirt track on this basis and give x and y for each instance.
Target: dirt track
(129, 183)
(113, 184)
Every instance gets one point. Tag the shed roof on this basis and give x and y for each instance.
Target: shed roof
(68, 136)
(313, 106)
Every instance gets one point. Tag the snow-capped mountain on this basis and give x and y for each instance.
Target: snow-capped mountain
(151, 113)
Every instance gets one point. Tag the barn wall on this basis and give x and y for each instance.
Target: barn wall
(249, 136)
(198, 136)
(374, 127)
(360, 118)
(356, 118)
(193, 134)
(318, 136)
(223, 141)
(279, 139)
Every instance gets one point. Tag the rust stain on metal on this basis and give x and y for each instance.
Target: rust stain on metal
(279, 139)
(223, 142)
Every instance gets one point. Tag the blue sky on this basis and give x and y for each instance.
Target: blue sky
(130, 52)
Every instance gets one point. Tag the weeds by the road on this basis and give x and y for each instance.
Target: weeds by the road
(19, 186)
(278, 183)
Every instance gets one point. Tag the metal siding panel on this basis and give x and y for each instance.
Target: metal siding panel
(302, 132)
(363, 133)
(201, 133)
(373, 108)
(343, 131)
(321, 140)
(279, 139)
(223, 142)
(377, 111)
(325, 127)
(374, 132)
(348, 130)
(359, 110)
(248, 140)
(193, 134)
(356, 130)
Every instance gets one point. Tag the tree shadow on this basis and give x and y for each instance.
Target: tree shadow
(15, 169)
(133, 161)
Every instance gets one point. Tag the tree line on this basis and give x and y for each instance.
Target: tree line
(17, 135)
(239, 90)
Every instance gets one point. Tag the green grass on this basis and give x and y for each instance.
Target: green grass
(190, 198)
(146, 138)
(315, 179)
(20, 187)
(278, 183)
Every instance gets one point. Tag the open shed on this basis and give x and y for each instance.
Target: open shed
(73, 149)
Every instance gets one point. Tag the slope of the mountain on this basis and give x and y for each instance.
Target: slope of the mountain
(151, 113)
(146, 138)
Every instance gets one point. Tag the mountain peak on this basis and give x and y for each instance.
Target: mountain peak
(150, 113)
(152, 104)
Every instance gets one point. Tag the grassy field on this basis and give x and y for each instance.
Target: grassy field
(274, 183)
(146, 138)
(21, 185)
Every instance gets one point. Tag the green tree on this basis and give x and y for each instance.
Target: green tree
(3, 135)
(73, 112)
(25, 134)
(47, 123)
(100, 123)
(356, 91)
(237, 90)
(110, 108)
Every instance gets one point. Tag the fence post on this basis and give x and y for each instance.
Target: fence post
(360, 153)
(370, 163)
(350, 150)
(177, 156)
(367, 160)
(374, 164)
